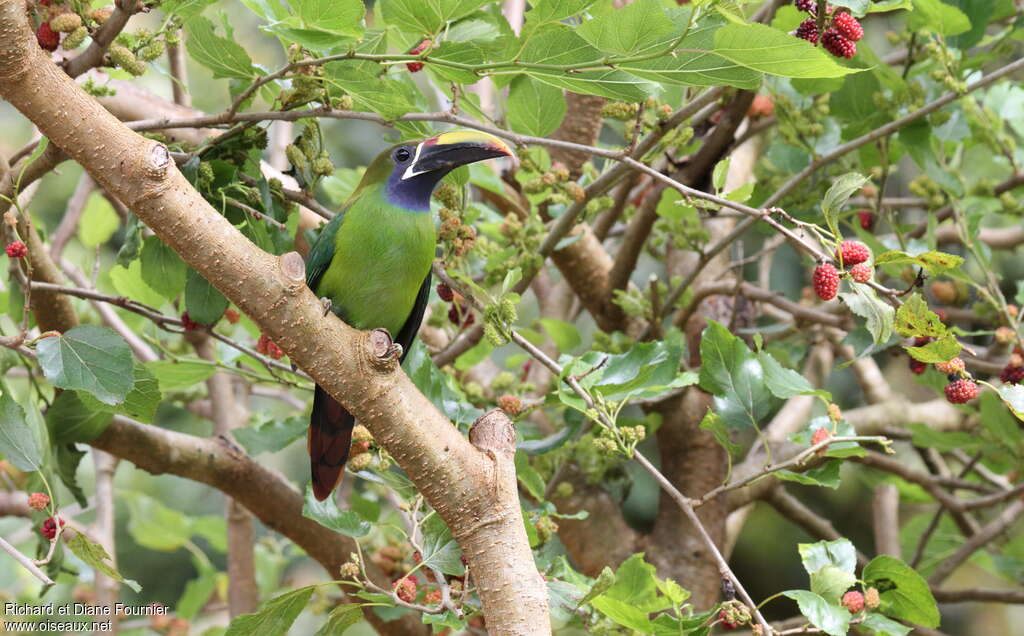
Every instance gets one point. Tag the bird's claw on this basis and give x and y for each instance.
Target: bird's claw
(326, 302)
(396, 350)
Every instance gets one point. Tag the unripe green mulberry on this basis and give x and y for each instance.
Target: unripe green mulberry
(344, 102)
(448, 195)
(493, 335)
(296, 157)
(533, 186)
(322, 166)
(75, 38)
(619, 110)
(362, 461)
(153, 51)
(123, 57)
(65, 22)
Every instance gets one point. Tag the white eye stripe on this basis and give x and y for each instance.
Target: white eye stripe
(411, 170)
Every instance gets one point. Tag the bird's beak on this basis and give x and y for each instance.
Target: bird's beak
(453, 149)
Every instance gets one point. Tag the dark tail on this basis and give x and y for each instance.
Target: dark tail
(330, 435)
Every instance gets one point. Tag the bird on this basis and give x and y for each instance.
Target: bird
(370, 266)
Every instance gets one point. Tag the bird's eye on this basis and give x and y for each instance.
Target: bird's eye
(402, 155)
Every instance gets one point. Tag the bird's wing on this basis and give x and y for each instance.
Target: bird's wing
(412, 324)
(322, 252)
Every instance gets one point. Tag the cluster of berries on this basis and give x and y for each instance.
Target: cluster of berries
(1013, 372)
(267, 347)
(853, 255)
(16, 249)
(458, 314)
(359, 455)
(416, 67)
(49, 528)
(856, 601)
(961, 388)
(842, 30)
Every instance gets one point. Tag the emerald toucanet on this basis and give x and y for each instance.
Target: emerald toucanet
(372, 262)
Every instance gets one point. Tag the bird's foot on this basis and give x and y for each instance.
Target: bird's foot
(396, 350)
(326, 302)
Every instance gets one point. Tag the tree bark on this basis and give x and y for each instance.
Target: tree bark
(358, 368)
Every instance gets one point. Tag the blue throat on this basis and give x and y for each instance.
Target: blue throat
(412, 194)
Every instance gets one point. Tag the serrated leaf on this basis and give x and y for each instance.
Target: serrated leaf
(162, 269)
(68, 457)
(884, 626)
(838, 194)
(140, 403)
(341, 618)
(534, 108)
(174, 375)
(204, 302)
(732, 372)
(713, 423)
(913, 319)
(440, 550)
(630, 30)
(128, 283)
(226, 58)
(99, 221)
(327, 514)
(839, 553)
(70, 419)
(275, 617)
(1013, 396)
(96, 557)
(942, 350)
(939, 17)
(155, 526)
(271, 434)
(603, 581)
(831, 582)
(903, 592)
(418, 16)
(786, 383)
(337, 16)
(826, 475)
(831, 619)
(934, 262)
(624, 614)
(197, 591)
(768, 50)
(878, 315)
(88, 358)
(20, 442)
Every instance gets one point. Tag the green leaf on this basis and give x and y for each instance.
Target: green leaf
(98, 222)
(155, 526)
(913, 318)
(275, 617)
(555, 440)
(693, 63)
(529, 477)
(731, 372)
(719, 174)
(337, 16)
(831, 582)
(884, 626)
(839, 553)
(765, 49)
(559, 45)
(632, 29)
(96, 557)
(204, 302)
(838, 194)
(935, 263)
(636, 585)
(603, 581)
(939, 17)
(534, 108)
(624, 614)
(140, 403)
(785, 383)
(341, 618)
(68, 457)
(128, 283)
(878, 315)
(1013, 396)
(544, 11)
(226, 58)
(197, 591)
(271, 434)
(826, 475)
(390, 98)
(831, 619)
(903, 592)
(327, 514)
(1000, 423)
(856, 7)
(162, 269)
(175, 375)
(942, 350)
(71, 420)
(427, 17)
(21, 443)
(436, 386)
(713, 423)
(440, 550)
(88, 358)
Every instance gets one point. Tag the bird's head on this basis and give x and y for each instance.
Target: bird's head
(413, 169)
